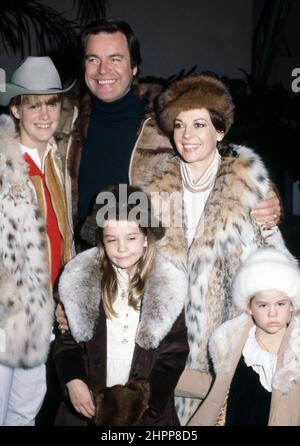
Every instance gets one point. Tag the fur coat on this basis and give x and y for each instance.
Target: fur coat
(225, 347)
(161, 342)
(73, 130)
(225, 235)
(26, 307)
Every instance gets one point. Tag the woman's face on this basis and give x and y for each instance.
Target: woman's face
(195, 137)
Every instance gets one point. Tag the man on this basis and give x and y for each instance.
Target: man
(110, 114)
(116, 139)
(111, 134)
(35, 235)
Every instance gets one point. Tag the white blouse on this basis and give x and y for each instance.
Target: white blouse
(194, 203)
(195, 194)
(121, 333)
(261, 361)
(34, 154)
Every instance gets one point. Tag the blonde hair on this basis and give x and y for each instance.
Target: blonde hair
(109, 282)
(32, 99)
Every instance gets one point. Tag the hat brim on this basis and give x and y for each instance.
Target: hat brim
(13, 90)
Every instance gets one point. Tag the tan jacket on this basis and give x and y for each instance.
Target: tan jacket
(55, 184)
(226, 347)
(150, 142)
(73, 129)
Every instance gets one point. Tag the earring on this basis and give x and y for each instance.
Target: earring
(220, 136)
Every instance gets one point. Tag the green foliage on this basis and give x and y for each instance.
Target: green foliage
(90, 10)
(21, 19)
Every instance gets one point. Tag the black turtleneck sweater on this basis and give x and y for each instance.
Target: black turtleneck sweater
(107, 149)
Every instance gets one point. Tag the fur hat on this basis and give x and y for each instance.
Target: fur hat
(194, 92)
(121, 202)
(267, 269)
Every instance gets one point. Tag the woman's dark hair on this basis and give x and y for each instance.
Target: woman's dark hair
(111, 27)
(219, 124)
(217, 121)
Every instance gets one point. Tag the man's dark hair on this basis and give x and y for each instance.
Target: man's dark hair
(111, 27)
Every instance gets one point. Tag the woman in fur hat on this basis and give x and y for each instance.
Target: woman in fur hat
(216, 189)
(127, 345)
(256, 356)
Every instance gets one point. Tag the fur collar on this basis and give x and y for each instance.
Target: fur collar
(225, 342)
(162, 302)
(12, 166)
(242, 181)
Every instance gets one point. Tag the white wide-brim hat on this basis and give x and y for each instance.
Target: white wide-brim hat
(36, 75)
(267, 269)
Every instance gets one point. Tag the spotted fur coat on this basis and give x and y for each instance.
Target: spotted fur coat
(26, 308)
(225, 235)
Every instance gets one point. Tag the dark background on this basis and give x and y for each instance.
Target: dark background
(254, 44)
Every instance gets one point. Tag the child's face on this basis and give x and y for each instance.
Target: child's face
(124, 244)
(38, 120)
(271, 310)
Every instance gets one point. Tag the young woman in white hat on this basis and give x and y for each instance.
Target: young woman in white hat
(256, 356)
(35, 236)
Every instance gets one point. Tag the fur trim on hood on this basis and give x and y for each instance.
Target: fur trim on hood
(162, 302)
(226, 339)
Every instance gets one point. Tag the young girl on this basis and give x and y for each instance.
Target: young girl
(256, 355)
(128, 345)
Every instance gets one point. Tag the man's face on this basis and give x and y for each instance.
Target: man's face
(108, 71)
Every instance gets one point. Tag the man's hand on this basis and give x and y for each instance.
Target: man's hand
(81, 397)
(268, 212)
(61, 319)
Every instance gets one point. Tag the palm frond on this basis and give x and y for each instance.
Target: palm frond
(20, 20)
(90, 10)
